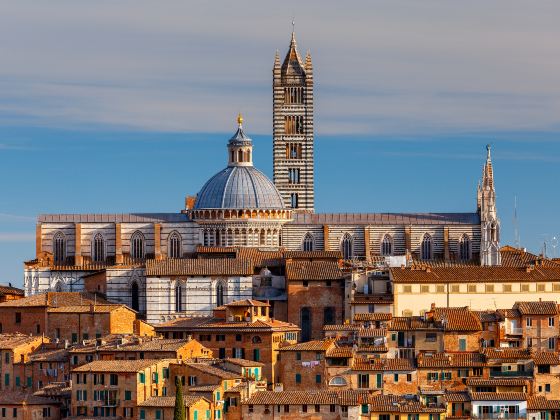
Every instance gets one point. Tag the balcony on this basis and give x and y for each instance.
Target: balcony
(511, 374)
(514, 331)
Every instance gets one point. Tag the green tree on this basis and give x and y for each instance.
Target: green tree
(179, 411)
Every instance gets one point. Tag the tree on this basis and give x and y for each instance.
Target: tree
(179, 411)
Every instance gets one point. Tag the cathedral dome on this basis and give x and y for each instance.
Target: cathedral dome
(239, 187)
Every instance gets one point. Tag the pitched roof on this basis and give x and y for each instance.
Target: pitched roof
(400, 404)
(315, 345)
(348, 397)
(387, 218)
(496, 382)
(457, 319)
(442, 360)
(507, 353)
(98, 308)
(11, 341)
(536, 308)
(243, 362)
(199, 267)
(376, 316)
(9, 290)
(214, 371)
(410, 323)
(246, 302)
(170, 401)
(312, 255)
(214, 324)
(383, 364)
(18, 398)
(498, 396)
(313, 270)
(117, 365)
(55, 299)
(150, 344)
(546, 358)
(541, 403)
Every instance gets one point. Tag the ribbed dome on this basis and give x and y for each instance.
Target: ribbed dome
(239, 187)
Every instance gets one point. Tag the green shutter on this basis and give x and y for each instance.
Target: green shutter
(195, 415)
(17, 381)
(29, 382)
(142, 414)
(142, 378)
(462, 344)
(379, 380)
(156, 377)
(7, 379)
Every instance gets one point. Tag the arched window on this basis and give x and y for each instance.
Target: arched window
(347, 246)
(426, 252)
(98, 248)
(179, 301)
(58, 287)
(59, 247)
(387, 245)
(137, 245)
(465, 248)
(494, 232)
(219, 294)
(232, 156)
(248, 156)
(174, 245)
(256, 339)
(135, 296)
(308, 242)
(329, 316)
(338, 381)
(240, 155)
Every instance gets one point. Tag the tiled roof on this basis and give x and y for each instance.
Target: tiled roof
(17, 398)
(442, 360)
(489, 316)
(498, 396)
(387, 218)
(457, 396)
(54, 299)
(457, 319)
(203, 388)
(243, 362)
(213, 324)
(112, 218)
(102, 308)
(246, 302)
(55, 355)
(410, 323)
(315, 345)
(376, 316)
(348, 397)
(475, 274)
(9, 290)
(199, 267)
(313, 270)
(170, 401)
(117, 365)
(340, 352)
(372, 349)
(260, 257)
(382, 364)
(399, 404)
(546, 358)
(536, 308)
(11, 341)
(214, 371)
(496, 382)
(541, 403)
(312, 255)
(505, 353)
(372, 332)
(341, 327)
(513, 257)
(153, 344)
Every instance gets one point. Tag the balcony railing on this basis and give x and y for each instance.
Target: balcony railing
(511, 374)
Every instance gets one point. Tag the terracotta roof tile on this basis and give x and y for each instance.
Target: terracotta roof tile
(315, 345)
(411, 323)
(457, 319)
(496, 382)
(214, 371)
(387, 218)
(536, 308)
(11, 341)
(541, 403)
(442, 360)
(379, 364)
(170, 401)
(199, 267)
(498, 396)
(117, 365)
(372, 332)
(377, 316)
(313, 270)
(17, 398)
(546, 358)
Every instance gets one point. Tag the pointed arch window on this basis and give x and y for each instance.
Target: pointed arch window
(137, 245)
(308, 242)
(220, 294)
(494, 232)
(465, 248)
(179, 298)
(59, 247)
(427, 247)
(135, 296)
(347, 247)
(174, 245)
(98, 248)
(387, 245)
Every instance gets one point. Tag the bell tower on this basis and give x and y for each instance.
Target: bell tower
(489, 222)
(293, 129)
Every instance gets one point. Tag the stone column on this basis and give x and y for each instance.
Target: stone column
(408, 239)
(38, 240)
(118, 244)
(367, 245)
(157, 241)
(326, 237)
(78, 259)
(446, 243)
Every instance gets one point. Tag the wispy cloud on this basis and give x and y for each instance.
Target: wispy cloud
(16, 236)
(6, 217)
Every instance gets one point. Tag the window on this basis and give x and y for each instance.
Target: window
(293, 151)
(294, 200)
(551, 321)
(426, 247)
(454, 288)
(59, 247)
(471, 288)
(506, 288)
(332, 408)
(462, 344)
(387, 245)
(305, 283)
(238, 337)
(433, 376)
(329, 316)
(546, 387)
(220, 294)
(347, 246)
(18, 317)
(489, 288)
(98, 248)
(298, 378)
(256, 355)
(192, 380)
(338, 381)
(293, 124)
(425, 289)
(529, 342)
(308, 242)
(174, 245)
(395, 377)
(556, 287)
(298, 355)
(317, 379)
(409, 377)
(137, 245)
(293, 175)
(465, 248)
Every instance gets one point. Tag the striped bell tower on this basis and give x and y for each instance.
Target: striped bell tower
(293, 129)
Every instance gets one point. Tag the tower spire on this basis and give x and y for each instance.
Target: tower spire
(489, 222)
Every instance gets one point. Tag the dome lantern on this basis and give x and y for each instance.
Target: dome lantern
(240, 147)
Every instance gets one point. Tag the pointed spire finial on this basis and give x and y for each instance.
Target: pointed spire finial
(240, 120)
(488, 147)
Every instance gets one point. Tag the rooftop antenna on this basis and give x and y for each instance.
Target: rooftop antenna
(516, 225)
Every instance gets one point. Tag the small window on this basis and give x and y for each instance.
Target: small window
(524, 287)
(506, 288)
(471, 288)
(425, 288)
(489, 288)
(308, 242)
(174, 246)
(551, 321)
(440, 288)
(347, 246)
(407, 289)
(298, 378)
(387, 246)
(454, 288)
(318, 379)
(541, 287)
(426, 247)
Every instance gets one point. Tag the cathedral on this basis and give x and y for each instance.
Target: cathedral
(164, 264)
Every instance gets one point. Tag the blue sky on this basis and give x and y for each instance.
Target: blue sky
(125, 105)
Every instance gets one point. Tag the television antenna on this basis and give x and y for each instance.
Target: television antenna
(516, 225)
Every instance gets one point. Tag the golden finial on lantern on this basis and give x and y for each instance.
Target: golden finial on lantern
(239, 119)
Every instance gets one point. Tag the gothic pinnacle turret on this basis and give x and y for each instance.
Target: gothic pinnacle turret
(489, 222)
